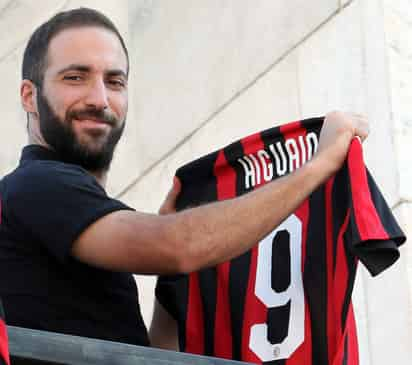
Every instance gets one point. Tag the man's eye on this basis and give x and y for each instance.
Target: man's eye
(117, 83)
(72, 77)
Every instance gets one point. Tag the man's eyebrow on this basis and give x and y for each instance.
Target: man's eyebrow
(116, 72)
(84, 68)
(75, 67)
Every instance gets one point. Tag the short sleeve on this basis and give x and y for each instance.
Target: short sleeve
(51, 204)
(373, 231)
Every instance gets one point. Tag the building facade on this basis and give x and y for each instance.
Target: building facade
(206, 72)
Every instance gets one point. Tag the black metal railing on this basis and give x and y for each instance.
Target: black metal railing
(32, 347)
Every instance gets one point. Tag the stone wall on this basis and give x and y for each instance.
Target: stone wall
(204, 73)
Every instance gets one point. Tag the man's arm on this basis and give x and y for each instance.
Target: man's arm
(210, 234)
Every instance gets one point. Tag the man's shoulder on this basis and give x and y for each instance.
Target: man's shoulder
(38, 168)
(42, 176)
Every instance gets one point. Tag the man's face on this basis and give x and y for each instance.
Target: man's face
(83, 101)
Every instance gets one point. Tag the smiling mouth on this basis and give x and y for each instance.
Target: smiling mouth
(93, 127)
(92, 122)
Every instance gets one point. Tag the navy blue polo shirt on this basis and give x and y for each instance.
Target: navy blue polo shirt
(45, 205)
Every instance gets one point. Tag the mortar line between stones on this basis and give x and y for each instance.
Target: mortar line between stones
(400, 202)
(226, 104)
(220, 109)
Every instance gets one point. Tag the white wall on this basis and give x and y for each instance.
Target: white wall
(204, 73)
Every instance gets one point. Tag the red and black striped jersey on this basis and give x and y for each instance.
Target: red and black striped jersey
(288, 300)
(4, 344)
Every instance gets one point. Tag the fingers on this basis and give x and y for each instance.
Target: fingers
(355, 123)
(177, 185)
(169, 204)
(362, 129)
(339, 128)
(360, 123)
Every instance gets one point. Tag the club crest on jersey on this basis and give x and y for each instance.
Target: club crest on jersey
(278, 159)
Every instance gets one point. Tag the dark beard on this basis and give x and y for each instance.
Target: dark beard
(61, 137)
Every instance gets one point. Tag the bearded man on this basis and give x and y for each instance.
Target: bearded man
(67, 249)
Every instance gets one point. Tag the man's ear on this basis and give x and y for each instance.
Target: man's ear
(28, 96)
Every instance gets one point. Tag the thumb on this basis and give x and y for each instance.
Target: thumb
(169, 204)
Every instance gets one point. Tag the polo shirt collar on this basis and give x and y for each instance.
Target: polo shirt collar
(37, 152)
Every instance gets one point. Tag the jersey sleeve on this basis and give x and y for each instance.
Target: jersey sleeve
(373, 231)
(52, 204)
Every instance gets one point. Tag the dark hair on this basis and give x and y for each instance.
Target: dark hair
(35, 54)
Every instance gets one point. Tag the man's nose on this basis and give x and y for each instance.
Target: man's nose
(97, 95)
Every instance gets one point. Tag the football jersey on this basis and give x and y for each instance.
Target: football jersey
(287, 301)
(4, 345)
